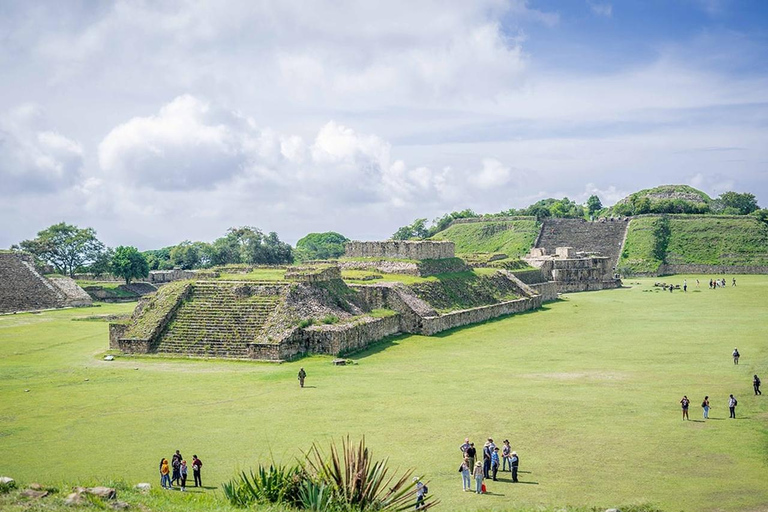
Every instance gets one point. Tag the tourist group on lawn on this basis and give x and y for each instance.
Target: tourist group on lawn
(472, 468)
(685, 402)
(177, 471)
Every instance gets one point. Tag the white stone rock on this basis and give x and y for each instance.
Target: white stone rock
(6, 480)
(109, 358)
(144, 486)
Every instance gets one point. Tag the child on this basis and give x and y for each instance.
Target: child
(183, 472)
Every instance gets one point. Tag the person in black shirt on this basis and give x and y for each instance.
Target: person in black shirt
(756, 385)
(471, 453)
(302, 376)
(515, 462)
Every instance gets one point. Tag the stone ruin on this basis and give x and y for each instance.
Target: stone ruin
(23, 288)
(573, 271)
(400, 249)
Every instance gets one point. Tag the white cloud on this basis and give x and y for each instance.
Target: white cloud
(601, 9)
(34, 157)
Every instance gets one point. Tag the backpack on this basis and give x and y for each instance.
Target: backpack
(704, 404)
(425, 490)
(735, 402)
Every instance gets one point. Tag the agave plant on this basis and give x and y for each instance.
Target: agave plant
(273, 484)
(356, 481)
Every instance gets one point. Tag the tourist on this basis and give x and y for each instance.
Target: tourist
(756, 385)
(495, 462)
(685, 285)
(505, 455)
(478, 474)
(464, 469)
(732, 403)
(734, 282)
(197, 464)
(697, 283)
(471, 454)
(183, 472)
(705, 406)
(736, 356)
(515, 462)
(165, 480)
(685, 403)
(421, 491)
(487, 459)
(176, 465)
(302, 376)
(464, 447)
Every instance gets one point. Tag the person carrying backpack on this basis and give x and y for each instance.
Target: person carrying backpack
(421, 492)
(736, 356)
(705, 406)
(756, 385)
(196, 465)
(732, 403)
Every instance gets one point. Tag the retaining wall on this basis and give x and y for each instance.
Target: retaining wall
(433, 325)
(402, 249)
(666, 269)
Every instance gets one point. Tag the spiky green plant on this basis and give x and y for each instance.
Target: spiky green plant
(273, 484)
(358, 482)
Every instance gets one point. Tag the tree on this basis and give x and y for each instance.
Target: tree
(320, 246)
(594, 205)
(186, 255)
(102, 264)
(129, 263)
(736, 204)
(65, 247)
(418, 229)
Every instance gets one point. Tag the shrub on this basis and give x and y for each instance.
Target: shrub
(306, 322)
(330, 319)
(275, 484)
(7, 487)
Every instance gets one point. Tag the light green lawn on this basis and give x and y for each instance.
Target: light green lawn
(257, 274)
(587, 389)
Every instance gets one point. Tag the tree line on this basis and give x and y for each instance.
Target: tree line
(70, 250)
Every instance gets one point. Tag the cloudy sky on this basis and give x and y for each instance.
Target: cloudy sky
(156, 122)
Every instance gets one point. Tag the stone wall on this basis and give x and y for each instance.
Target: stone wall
(604, 238)
(580, 274)
(529, 276)
(73, 295)
(313, 274)
(666, 269)
(400, 249)
(167, 276)
(547, 290)
(434, 325)
(500, 218)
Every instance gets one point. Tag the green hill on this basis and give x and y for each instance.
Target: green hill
(512, 237)
(663, 199)
(698, 240)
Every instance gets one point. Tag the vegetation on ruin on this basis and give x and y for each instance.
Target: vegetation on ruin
(155, 310)
(257, 274)
(320, 246)
(586, 389)
(463, 290)
(513, 238)
(708, 240)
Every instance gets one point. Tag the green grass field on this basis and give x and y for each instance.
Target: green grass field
(587, 389)
(513, 238)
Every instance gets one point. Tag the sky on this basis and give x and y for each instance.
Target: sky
(158, 122)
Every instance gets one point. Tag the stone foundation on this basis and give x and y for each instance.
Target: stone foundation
(666, 269)
(400, 249)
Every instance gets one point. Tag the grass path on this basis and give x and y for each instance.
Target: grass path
(586, 389)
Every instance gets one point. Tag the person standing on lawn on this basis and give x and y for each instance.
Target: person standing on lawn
(183, 473)
(464, 469)
(478, 474)
(495, 462)
(302, 376)
(732, 403)
(685, 403)
(705, 406)
(515, 463)
(471, 454)
(756, 385)
(197, 464)
(505, 455)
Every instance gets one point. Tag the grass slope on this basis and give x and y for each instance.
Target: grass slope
(589, 402)
(707, 240)
(513, 238)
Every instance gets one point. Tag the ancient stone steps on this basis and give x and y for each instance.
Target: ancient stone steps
(605, 238)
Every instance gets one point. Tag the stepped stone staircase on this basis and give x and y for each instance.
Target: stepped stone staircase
(605, 238)
(220, 318)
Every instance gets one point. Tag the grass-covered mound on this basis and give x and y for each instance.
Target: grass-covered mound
(511, 237)
(463, 290)
(698, 240)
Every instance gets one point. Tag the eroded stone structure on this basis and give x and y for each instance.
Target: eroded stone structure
(604, 238)
(23, 288)
(400, 249)
(573, 271)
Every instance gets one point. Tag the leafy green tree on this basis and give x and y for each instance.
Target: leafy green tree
(102, 264)
(442, 223)
(129, 264)
(734, 203)
(186, 255)
(262, 249)
(159, 259)
(64, 246)
(418, 229)
(594, 205)
(320, 246)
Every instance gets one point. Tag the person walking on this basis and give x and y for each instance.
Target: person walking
(685, 403)
(734, 282)
(183, 473)
(495, 462)
(302, 376)
(505, 455)
(197, 465)
(471, 454)
(685, 285)
(464, 469)
(736, 356)
(421, 492)
(756, 385)
(705, 406)
(515, 462)
(165, 480)
(478, 474)
(732, 403)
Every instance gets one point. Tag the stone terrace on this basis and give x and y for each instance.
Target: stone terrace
(605, 238)
(401, 249)
(220, 318)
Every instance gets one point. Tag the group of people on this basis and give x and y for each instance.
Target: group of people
(471, 467)
(720, 283)
(732, 401)
(176, 472)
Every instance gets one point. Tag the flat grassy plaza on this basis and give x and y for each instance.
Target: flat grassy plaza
(587, 390)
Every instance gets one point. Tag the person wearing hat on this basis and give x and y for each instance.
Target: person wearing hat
(421, 491)
(514, 463)
(478, 474)
(464, 469)
(505, 449)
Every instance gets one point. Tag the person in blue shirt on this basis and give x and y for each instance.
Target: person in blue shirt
(495, 462)
(515, 463)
